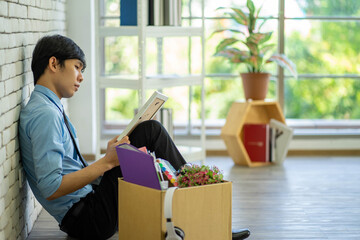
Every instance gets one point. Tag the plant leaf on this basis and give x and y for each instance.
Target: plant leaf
(223, 30)
(251, 24)
(252, 18)
(253, 47)
(229, 53)
(284, 62)
(256, 62)
(240, 57)
(239, 16)
(234, 55)
(259, 38)
(224, 43)
(258, 11)
(250, 5)
(266, 37)
(266, 48)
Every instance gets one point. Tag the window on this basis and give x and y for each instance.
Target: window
(320, 36)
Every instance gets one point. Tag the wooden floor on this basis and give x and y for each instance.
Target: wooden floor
(306, 198)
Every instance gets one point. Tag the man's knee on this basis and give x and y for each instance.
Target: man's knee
(146, 133)
(156, 125)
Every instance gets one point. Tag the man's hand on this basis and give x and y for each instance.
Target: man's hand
(111, 155)
(124, 140)
(76, 180)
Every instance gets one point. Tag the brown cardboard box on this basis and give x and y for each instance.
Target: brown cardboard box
(203, 212)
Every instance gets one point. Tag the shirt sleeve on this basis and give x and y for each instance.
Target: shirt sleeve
(46, 134)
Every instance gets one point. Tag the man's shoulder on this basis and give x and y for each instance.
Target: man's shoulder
(38, 107)
(40, 101)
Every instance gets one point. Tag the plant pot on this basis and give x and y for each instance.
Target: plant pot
(255, 85)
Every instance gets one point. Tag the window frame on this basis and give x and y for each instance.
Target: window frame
(308, 127)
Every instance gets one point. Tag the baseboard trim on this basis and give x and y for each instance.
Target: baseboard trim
(217, 153)
(299, 153)
(350, 152)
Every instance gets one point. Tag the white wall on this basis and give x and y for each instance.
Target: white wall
(82, 106)
(22, 23)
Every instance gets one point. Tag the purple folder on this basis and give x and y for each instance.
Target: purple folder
(137, 167)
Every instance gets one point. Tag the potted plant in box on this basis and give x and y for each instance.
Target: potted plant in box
(250, 46)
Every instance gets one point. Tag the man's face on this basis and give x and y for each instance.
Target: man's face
(68, 79)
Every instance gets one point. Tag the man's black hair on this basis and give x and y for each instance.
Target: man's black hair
(60, 47)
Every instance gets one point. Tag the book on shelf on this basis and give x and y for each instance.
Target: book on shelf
(156, 12)
(169, 6)
(151, 12)
(164, 12)
(267, 142)
(281, 140)
(128, 12)
(160, 12)
(256, 141)
(272, 133)
(178, 13)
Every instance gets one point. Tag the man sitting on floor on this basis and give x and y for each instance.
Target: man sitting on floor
(59, 177)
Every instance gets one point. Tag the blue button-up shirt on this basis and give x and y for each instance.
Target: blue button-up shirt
(47, 151)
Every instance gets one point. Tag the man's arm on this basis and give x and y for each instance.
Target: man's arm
(76, 180)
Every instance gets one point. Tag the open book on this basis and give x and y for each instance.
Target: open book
(281, 137)
(146, 112)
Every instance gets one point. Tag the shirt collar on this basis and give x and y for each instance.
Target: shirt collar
(49, 94)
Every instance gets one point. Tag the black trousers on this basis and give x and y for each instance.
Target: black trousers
(96, 215)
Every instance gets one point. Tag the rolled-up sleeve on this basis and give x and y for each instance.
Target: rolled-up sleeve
(46, 134)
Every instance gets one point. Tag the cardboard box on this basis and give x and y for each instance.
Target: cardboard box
(203, 212)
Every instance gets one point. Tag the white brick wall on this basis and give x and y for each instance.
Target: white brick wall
(22, 23)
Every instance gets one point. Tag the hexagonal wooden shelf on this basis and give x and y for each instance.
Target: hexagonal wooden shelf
(256, 112)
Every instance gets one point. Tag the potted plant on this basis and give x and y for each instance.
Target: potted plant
(250, 46)
(196, 175)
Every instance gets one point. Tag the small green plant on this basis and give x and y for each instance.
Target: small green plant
(199, 175)
(255, 51)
